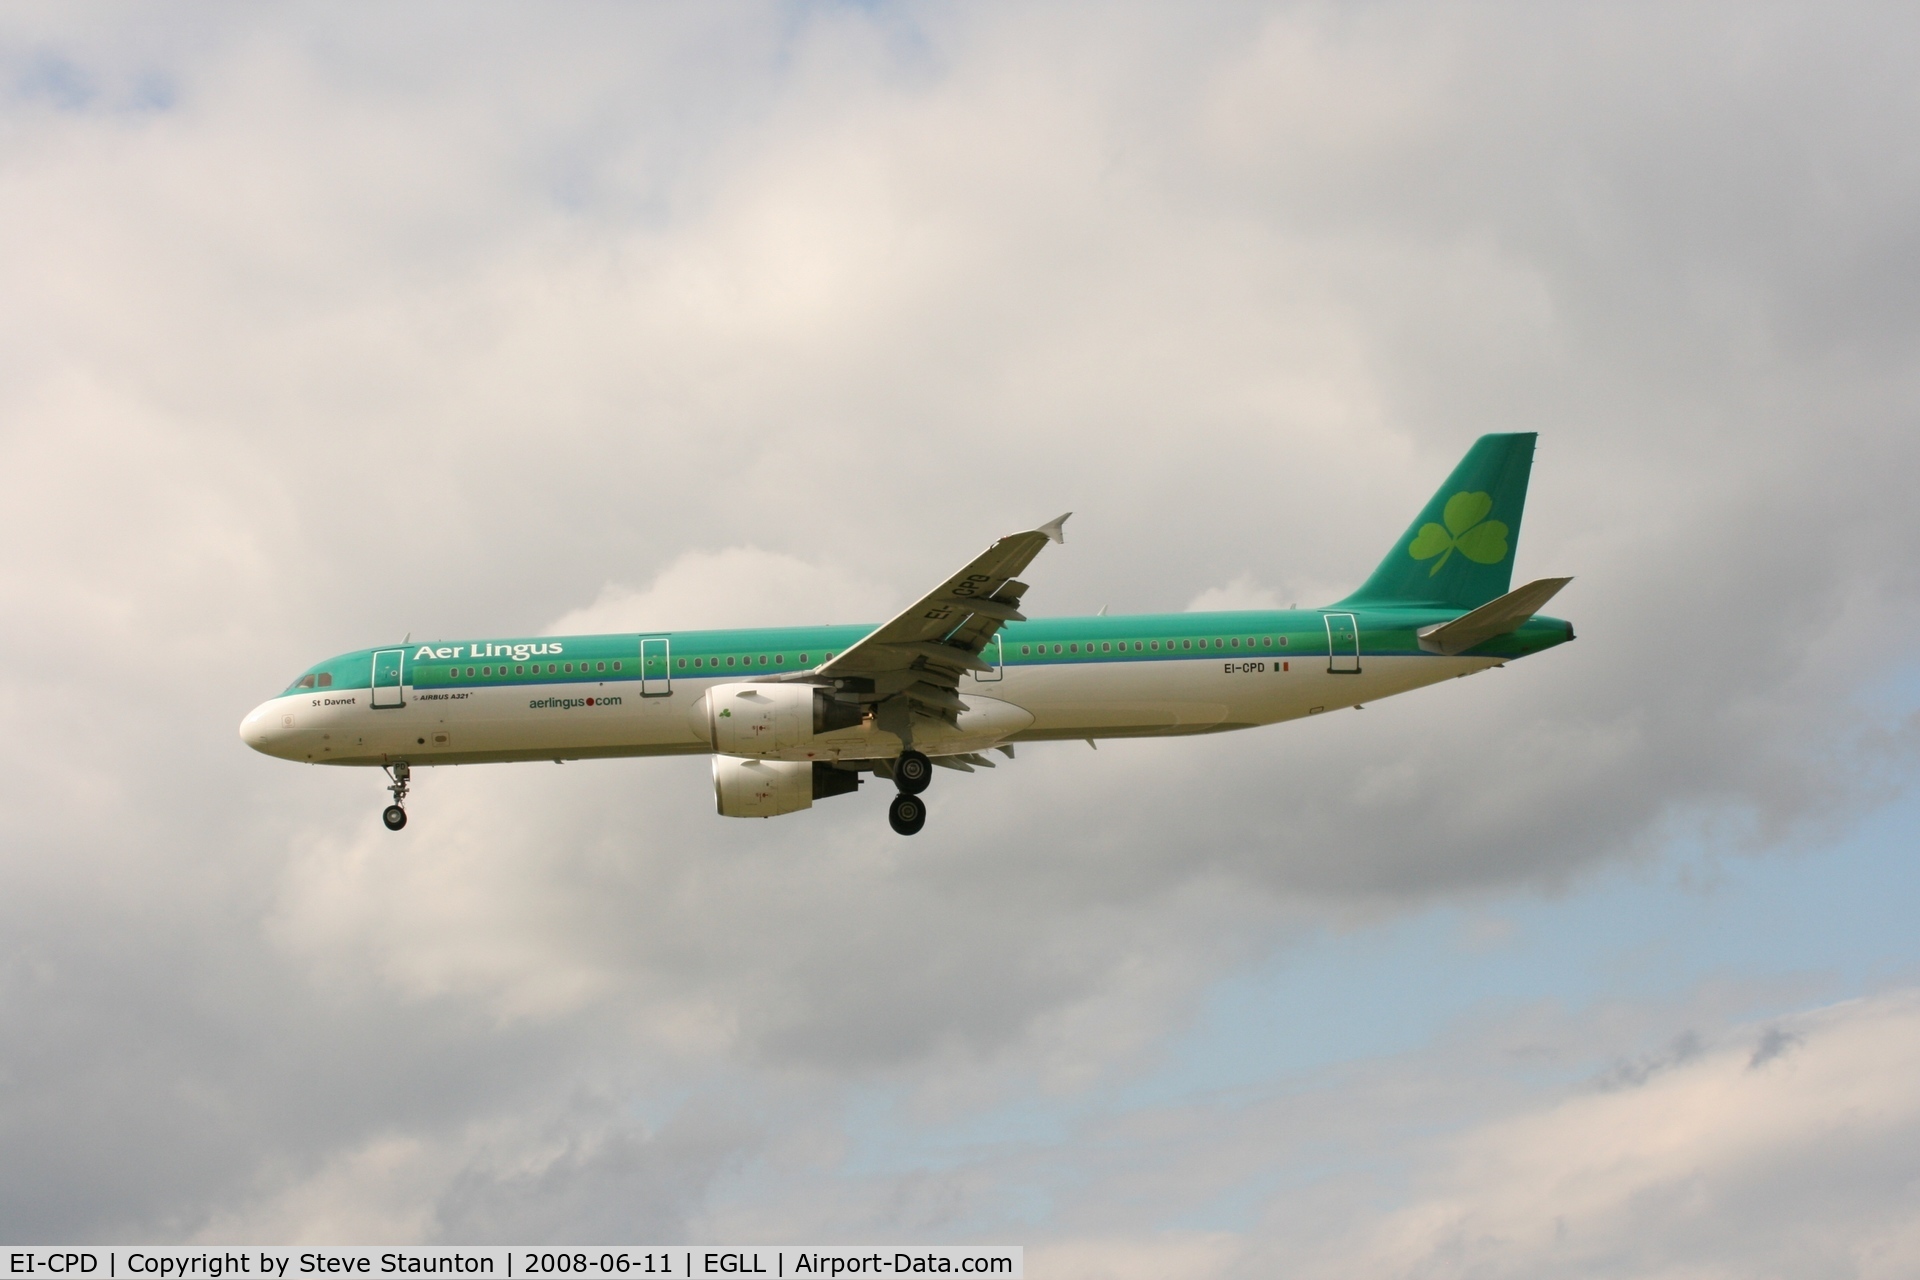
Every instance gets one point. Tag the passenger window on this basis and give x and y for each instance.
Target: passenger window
(486, 671)
(1056, 648)
(1203, 644)
(683, 664)
(1105, 647)
(779, 659)
(549, 668)
(803, 657)
(1283, 642)
(569, 668)
(1236, 642)
(519, 670)
(1154, 644)
(1136, 646)
(1073, 648)
(1024, 649)
(599, 666)
(729, 659)
(1266, 642)
(1188, 644)
(616, 664)
(469, 673)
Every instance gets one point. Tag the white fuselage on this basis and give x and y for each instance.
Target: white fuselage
(1024, 703)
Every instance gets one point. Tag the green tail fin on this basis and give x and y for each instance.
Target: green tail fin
(1458, 554)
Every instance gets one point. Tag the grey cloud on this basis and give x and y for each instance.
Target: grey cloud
(1631, 1074)
(600, 1180)
(1775, 1042)
(444, 327)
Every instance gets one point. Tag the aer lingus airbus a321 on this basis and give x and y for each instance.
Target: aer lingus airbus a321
(791, 715)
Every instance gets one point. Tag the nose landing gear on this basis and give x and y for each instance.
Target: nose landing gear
(395, 815)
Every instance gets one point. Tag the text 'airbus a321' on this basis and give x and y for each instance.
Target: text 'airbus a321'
(792, 715)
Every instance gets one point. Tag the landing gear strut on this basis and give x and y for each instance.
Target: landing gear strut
(395, 815)
(907, 814)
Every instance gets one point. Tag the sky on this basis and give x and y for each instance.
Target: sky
(322, 326)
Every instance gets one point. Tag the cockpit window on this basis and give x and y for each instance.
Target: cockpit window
(326, 679)
(306, 682)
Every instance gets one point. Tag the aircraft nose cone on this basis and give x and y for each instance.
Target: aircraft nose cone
(261, 729)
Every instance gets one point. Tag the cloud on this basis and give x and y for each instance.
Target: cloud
(680, 318)
(1241, 593)
(736, 587)
(1712, 1165)
(1715, 1163)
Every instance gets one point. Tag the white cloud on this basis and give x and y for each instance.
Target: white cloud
(736, 587)
(456, 327)
(1711, 1165)
(1241, 593)
(1777, 1148)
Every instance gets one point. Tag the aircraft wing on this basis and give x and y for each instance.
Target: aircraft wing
(923, 651)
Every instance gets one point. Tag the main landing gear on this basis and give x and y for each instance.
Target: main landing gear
(395, 815)
(912, 771)
(907, 814)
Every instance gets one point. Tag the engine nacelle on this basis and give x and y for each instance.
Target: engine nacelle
(769, 719)
(769, 788)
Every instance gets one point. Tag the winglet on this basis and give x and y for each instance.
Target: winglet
(1054, 530)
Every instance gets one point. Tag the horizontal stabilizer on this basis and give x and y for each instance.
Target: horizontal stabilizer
(1495, 618)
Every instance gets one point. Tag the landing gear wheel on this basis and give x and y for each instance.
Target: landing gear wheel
(912, 772)
(907, 813)
(396, 817)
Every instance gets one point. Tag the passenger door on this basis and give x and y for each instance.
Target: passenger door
(1343, 644)
(656, 661)
(387, 669)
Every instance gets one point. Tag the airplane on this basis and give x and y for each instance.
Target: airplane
(791, 715)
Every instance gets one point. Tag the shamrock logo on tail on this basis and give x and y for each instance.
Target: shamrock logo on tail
(1467, 531)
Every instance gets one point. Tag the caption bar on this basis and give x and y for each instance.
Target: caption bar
(183, 1262)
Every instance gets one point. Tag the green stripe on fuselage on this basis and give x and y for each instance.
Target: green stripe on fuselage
(1165, 637)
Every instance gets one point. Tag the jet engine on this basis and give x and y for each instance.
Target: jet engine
(768, 719)
(768, 788)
